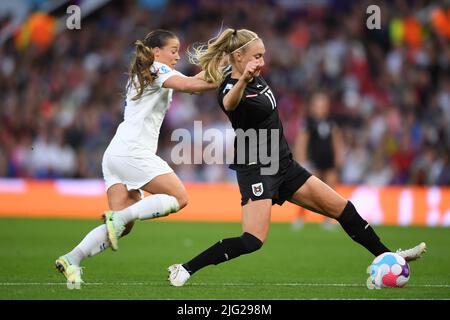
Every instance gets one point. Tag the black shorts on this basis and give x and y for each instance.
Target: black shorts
(278, 187)
(323, 163)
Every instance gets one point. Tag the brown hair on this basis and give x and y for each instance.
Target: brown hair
(140, 72)
(216, 54)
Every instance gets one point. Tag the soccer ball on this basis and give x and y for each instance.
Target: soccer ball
(388, 270)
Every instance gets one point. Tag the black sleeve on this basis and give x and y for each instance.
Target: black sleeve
(223, 90)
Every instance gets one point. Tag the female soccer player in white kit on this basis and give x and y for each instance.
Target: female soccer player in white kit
(130, 163)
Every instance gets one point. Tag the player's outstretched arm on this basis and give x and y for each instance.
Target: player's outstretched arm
(200, 75)
(189, 84)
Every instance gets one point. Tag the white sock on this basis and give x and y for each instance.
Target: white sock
(154, 206)
(76, 256)
(95, 242)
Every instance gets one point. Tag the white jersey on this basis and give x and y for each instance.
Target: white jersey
(138, 134)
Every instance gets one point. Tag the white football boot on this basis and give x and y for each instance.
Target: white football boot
(178, 275)
(115, 227)
(413, 253)
(72, 272)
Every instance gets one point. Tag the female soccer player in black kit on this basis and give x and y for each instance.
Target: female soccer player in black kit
(319, 148)
(249, 103)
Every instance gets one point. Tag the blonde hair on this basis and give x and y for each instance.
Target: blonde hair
(215, 56)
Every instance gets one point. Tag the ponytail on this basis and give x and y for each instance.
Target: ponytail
(140, 69)
(215, 56)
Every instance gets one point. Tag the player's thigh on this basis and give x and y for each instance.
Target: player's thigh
(256, 218)
(170, 184)
(319, 197)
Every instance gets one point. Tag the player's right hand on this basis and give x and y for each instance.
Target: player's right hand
(250, 69)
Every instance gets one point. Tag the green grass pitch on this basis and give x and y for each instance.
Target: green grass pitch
(308, 264)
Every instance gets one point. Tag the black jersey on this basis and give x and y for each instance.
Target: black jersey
(257, 110)
(320, 146)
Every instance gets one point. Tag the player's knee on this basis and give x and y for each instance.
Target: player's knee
(337, 207)
(182, 199)
(251, 242)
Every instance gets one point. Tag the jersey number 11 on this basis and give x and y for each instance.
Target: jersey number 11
(269, 95)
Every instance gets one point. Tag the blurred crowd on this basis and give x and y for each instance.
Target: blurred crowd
(389, 88)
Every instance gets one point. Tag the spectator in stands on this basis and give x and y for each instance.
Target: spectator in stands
(369, 73)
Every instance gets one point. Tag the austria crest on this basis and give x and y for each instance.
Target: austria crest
(257, 189)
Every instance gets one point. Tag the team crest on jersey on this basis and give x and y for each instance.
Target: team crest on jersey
(163, 69)
(257, 189)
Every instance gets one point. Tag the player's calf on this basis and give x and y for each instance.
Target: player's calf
(360, 230)
(224, 250)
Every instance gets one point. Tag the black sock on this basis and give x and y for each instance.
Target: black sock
(360, 231)
(224, 250)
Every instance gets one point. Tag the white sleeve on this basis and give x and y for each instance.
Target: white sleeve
(164, 73)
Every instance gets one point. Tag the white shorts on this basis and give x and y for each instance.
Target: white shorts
(132, 171)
